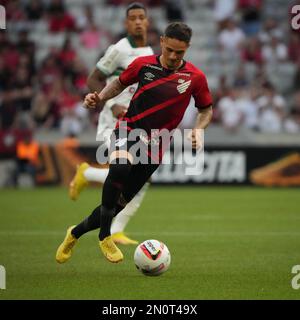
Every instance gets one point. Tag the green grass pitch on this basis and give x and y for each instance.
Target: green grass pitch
(225, 243)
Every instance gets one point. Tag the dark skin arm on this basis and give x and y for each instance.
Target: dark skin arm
(96, 80)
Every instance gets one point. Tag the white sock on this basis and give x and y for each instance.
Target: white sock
(96, 174)
(119, 223)
(124, 216)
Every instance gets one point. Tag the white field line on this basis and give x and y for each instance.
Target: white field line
(55, 233)
(240, 217)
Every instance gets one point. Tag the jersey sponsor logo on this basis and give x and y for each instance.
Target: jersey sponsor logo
(120, 142)
(154, 67)
(182, 87)
(183, 74)
(149, 76)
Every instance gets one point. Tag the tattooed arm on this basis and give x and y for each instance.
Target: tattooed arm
(93, 100)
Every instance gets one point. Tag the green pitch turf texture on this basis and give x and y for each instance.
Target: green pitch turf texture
(225, 243)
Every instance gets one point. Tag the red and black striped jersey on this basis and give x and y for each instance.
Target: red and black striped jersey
(162, 95)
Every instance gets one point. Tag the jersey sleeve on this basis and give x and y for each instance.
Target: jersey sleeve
(110, 61)
(131, 74)
(201, 93)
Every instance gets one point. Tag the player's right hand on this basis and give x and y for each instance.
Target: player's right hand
(92, 100)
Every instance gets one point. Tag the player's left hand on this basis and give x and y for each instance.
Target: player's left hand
(196, 136)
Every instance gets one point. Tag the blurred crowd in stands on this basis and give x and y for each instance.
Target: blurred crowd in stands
(48, 94)
(268, 44)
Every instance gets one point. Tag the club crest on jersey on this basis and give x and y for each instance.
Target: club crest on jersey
(149, 76)
(182, 87)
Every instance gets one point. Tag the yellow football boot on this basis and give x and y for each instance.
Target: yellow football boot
(121, 238)
(64, 251)
(111, 252)
(79, 181)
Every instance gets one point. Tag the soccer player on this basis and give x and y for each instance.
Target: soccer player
(116, 59)
(166, 84)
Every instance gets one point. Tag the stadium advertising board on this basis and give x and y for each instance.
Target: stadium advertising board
(264, 166)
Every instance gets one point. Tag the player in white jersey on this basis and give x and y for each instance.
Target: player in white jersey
(115, 60)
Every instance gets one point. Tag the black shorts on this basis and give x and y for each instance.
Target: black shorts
(121, 139)
(138, 176)
(140, 172)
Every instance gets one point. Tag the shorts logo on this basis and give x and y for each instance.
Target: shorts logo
(182, 87)
(149, 76)
(120, 142)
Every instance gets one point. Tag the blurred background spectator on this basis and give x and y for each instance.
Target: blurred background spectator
(174, 10)
(224, 10)
(246, 47)
(250, 11)
(27, 158)
(272, 108)
(231, 40)
(34, 10)
(59, 18)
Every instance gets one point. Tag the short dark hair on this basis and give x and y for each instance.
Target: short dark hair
(135, 5)
(179, 31)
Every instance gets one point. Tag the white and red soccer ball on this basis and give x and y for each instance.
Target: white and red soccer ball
(152, 257)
